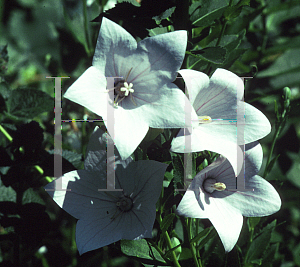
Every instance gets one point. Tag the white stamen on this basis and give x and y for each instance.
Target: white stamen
(127, 88)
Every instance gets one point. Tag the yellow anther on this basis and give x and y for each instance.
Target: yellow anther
(204, 119)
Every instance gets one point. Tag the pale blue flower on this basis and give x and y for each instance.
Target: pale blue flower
(105, 217)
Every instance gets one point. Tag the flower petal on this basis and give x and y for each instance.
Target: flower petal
(195, 82)
(89, 90)
(129, 130)
(257, 125)
(202, 138)
(113, 43)
(226, 219)
(82, 196)
(171, 110)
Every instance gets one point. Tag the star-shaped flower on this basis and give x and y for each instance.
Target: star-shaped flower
(103, 216)
(145, 95)
(211, 195)
(224, 120)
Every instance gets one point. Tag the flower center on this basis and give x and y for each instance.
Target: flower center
(125, 203)
(204, 119)
(122, 90)
(211, 184)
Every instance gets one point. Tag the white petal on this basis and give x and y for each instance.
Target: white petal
(202, 138)
(89, 90)
(219, 99)
(226, 219)
(195, 81)
(171, 110)
(257, 125)
(128, 130)
(113, 43)
(228, 222)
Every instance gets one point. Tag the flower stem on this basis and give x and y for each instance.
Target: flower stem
(168, 240)
(5, 133)
(193, 249)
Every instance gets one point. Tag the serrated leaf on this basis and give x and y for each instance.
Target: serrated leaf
(204, 13)
(166, 14)
(166, 222)
(142, 250)
(216, 55)
(260, 243)
(28, 103)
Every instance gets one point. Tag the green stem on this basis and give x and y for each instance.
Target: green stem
(168, 240)
(6, 134)
(275, 137)
(193, 249)
(86, 29)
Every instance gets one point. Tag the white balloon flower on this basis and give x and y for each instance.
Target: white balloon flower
(212, 195)
(141, 94)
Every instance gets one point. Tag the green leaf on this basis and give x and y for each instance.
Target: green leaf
(166, 14)
(142, 250)
(178, 172)
(271, 164)
(204, 13)
(287, 62)
(209, 236)
(166, 222)
(28, 103)
(269, 256)
(260, 243)
(202, 234)
(215, 55)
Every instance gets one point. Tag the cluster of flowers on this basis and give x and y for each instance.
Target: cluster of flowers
(130, 87)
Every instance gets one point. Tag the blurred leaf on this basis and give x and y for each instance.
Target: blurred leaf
(215, 55)
(243, 20)
(269, 256)
(292, 78)
(28, 103)
(166, 222)
(289, 61)
(142, 250)
(260, 244)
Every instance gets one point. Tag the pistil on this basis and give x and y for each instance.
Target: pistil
(211, 184)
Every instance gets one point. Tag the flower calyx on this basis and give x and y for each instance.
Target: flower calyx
(211, 184)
